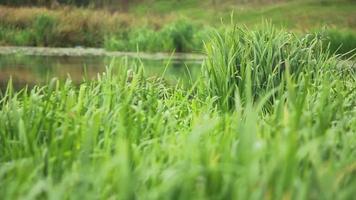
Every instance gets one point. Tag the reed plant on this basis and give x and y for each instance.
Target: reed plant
(261, 58)
(128, 136)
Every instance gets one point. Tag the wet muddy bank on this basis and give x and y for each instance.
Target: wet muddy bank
(79, 51)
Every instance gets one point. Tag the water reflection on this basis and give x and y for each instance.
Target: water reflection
(38, 70)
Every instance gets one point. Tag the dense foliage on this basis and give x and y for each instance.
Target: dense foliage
(273, 116)
(97, 29)
(179, 36)
(168, 26)
(341, 41)
(62, 2)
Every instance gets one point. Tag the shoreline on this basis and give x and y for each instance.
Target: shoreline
(82, 52)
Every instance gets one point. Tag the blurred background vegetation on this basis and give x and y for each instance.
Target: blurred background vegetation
(166, 25)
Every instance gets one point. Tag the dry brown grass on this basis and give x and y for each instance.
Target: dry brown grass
(20, 17)
(78, 26)
(78, 18)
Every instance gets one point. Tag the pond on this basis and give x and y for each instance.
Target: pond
(33, 70)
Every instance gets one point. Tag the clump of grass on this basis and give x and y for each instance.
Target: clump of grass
(259, 59)
(126, 136)
(16, 37)
(142, 39)
(44, 30)
(179, 36)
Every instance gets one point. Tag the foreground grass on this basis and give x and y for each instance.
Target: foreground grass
(166, 26)
(272, 117)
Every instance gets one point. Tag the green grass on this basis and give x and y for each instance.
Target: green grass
(16, 37)
(341, 41)
(127, 136)
(180, 36)
(260, 58)
(299, 15)
(167, 26)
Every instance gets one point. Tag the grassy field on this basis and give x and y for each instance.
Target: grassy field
(298, 15)
(171, 25)
(272, 117)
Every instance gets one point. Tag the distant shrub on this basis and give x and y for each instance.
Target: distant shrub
(111, 43)
(44, 29)
(201, 37)
(16, 37)
(144, 39)
(23, 37)
(340, 41)
(180, 36)
(38, 31)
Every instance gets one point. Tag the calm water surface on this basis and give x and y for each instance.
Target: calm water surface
(38, 70)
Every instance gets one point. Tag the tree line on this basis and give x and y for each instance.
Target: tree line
(124, 4)
(48, 3)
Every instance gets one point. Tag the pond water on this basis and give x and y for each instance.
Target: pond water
(38, 70)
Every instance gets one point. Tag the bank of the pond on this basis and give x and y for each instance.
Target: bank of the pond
(79, 51)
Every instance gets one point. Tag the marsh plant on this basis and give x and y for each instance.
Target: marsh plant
(261, 59)
(179, 36)
(272, 116)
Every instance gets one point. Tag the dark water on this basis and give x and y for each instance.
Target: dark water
(38, 70)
